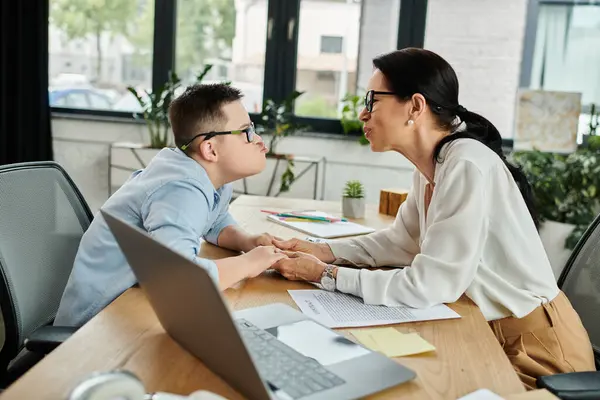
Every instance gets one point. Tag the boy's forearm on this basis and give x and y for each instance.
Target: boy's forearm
(233, 237)
(231, 271)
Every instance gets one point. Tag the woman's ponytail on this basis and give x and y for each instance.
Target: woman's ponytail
(479, 128)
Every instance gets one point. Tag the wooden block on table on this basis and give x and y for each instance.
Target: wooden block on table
(390, 200)
(396, 198)
(383, 202)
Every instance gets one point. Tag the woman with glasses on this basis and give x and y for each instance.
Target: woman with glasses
(468, 225)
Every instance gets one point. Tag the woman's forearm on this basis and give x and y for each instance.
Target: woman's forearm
(382, 248)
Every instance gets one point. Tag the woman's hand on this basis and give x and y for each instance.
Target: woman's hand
(321, 251)
(300, 267)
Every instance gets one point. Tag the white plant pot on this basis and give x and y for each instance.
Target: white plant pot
(353, 208)
(553, 235)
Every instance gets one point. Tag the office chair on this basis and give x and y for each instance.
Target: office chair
(42, 218)
(580, 281)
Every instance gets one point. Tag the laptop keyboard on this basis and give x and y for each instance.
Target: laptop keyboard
(283, 367)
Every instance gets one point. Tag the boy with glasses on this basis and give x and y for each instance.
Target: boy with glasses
(181, 197)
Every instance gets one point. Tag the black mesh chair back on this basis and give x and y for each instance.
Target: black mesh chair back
(580, 280)
(42, 218)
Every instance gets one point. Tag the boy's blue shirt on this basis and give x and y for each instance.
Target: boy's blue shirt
(175, 202)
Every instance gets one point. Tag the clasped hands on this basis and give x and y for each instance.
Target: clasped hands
(295, 259)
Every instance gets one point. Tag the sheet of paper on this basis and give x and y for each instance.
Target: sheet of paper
(340, 310)
(391, 342)
(482, 394)
(327, 230)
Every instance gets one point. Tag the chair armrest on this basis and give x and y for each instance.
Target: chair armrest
(572, 386)
(47, 338)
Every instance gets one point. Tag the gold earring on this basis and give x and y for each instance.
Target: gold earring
(411, 122)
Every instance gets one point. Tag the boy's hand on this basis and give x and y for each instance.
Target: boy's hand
(263, 239)
(261, 258)
(235, 238)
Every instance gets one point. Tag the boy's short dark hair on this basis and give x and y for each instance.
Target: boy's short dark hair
(198, 110)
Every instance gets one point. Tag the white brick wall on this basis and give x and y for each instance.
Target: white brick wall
(483, 41)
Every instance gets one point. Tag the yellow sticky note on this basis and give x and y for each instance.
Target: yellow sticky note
(391, 342)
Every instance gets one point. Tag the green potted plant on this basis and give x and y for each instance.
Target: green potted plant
(353, 200)
(276, 122)
(154, 111)
(592, 125)
(155, 107)
(566, 189)
(351, 124)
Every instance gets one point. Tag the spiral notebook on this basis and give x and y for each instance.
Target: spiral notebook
(326, 230)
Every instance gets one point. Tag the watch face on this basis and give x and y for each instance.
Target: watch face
(328, 283)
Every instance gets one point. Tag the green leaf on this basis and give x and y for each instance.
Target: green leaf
(137, 96)
(277, 119)
(288, 177)
(203, 73)
(363, 140)
(354, 189)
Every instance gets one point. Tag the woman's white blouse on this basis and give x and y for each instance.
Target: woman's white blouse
(477, 238)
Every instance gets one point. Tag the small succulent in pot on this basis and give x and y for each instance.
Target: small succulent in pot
(353, 200)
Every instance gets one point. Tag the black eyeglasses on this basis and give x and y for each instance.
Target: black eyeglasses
(370, 98)
(249, 131)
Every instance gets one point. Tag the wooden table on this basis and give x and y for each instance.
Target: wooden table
(540, 394)
(128, 335)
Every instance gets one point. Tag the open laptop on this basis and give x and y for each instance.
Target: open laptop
(267, 352)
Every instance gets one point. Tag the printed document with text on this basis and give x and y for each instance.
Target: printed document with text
(341, 310)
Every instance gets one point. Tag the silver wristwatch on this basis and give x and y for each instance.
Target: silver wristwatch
(327, 279)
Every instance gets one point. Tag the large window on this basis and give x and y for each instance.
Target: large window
(566, 52)
(229, 35)
(336, 42)
(97, 49)
(267, 48)
(332, 44)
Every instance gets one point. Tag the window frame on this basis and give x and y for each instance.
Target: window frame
(531, 23)
(280, 55)
(325, 38)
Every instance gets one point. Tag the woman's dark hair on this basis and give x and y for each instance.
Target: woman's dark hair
(412, 70)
